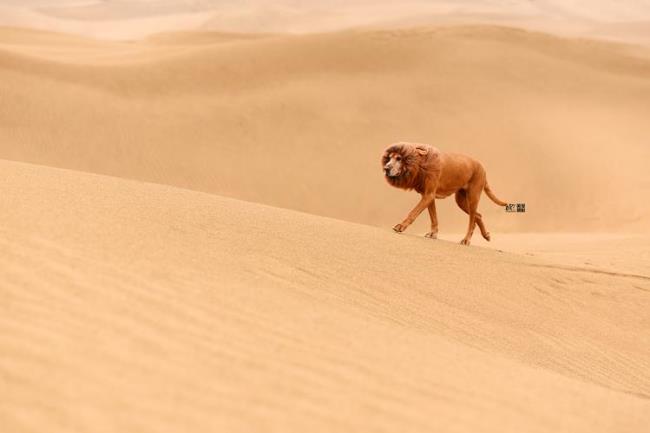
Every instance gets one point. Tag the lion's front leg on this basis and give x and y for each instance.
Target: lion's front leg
(424, 202)
(433, 234)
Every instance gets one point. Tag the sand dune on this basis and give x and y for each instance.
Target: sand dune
(300, 121)
(132, 306)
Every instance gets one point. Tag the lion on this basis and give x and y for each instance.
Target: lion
(436, 175)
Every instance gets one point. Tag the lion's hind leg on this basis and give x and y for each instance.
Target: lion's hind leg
(463, 203)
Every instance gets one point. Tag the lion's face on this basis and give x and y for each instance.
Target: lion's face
(402, 164)
(393, 164)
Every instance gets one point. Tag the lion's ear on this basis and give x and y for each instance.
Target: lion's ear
(421, 150)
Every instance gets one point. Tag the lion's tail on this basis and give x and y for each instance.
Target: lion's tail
(493, 197)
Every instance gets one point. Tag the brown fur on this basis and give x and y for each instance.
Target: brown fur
(435, 174)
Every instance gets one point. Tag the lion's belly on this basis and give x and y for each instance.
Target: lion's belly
(439, 195)
(446, 192)
(449, 186)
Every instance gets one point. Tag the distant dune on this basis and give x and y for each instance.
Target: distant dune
(133, 19)
(129, 306)
(300, 121)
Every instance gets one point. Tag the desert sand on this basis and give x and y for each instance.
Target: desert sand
(133, 306)
(196, 232)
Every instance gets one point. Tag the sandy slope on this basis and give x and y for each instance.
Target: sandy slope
(613, 252)
(137, 307)
(300, 121)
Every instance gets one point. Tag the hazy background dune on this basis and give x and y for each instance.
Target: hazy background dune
(301, 121)
(124, 19)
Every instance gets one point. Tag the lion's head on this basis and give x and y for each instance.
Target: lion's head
(401, 164)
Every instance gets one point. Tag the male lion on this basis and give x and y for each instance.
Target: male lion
(435, 174)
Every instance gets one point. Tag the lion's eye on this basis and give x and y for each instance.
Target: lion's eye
(399, 158)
